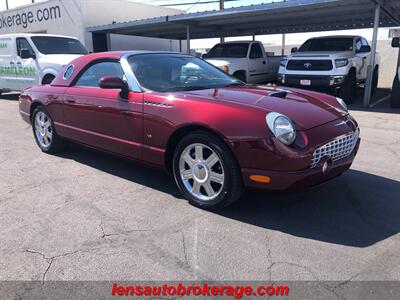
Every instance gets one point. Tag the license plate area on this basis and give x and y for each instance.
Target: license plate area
(305, 82)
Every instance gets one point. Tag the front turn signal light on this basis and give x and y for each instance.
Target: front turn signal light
(260, 178)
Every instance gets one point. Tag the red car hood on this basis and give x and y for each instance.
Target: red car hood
(302, 107)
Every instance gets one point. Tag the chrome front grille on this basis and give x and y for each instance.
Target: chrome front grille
(336, 149)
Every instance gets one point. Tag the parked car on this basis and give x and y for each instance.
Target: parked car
(334, 64)
(395, 97)
(246, 60)
(30, 59)
(213, 132)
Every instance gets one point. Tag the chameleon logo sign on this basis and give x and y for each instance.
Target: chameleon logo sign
(18, 71)
(26, 18)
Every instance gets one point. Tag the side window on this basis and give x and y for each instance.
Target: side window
(94, 73)
(256, 51)
(364, 42)
(68, 72)
(358, 45)
(22, 43)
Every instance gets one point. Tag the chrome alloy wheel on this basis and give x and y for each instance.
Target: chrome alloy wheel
(43, 129)
(201, 171)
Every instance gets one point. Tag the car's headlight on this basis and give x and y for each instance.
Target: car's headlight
(342, 103)
(342, 62)
(281, 127)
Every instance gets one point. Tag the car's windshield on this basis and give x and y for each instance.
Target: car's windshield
(169, 72)
(58, 45)
(238, 50)
(327, 44)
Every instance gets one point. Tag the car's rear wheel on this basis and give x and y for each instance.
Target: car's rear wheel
(241, 75)
(395, 97)
(375, 79)
(43, 130)
(48, 79)
(206, 171)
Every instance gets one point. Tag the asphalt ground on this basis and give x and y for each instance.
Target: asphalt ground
(83, 215)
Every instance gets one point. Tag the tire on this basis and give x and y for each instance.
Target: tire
(348, 90)
(375, 79)
(395, 97)
(48, 79)
(44, 133)
(241, 76)
(214, 171)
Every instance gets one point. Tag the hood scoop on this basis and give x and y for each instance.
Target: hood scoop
(279, 94)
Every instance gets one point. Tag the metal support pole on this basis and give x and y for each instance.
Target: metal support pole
(254, 37)
(370, 70)
(283, 44)
(221, 7)
(180, 45)
(108, 36)
(188, 39)
(6, 4)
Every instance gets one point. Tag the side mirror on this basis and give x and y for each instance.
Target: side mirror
(364, 49)
(294, 49)
(204, 56)
(25, 54)
(396, 42)
(113, 82)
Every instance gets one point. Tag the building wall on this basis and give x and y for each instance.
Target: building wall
(55, 17)
(125, 42)
(102, 12)
(71, 17)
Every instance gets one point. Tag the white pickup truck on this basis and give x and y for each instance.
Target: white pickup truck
(246, 60)
(334, 64)
(395, 99)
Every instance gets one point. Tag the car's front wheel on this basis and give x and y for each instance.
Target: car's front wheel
(206, 171)
(348, 90)
(43, 130)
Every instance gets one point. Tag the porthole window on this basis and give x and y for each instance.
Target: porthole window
(68, 72)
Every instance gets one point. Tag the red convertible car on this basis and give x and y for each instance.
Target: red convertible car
(215, 134)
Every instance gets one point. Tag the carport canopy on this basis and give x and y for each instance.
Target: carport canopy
(291, 16)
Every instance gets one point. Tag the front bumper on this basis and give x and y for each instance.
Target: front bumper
(322, 82)
(299, 179)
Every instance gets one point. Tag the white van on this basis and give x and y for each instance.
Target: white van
(32, 59)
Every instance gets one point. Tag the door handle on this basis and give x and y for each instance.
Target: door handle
(70, 100)
(19, 63)
(12, 63)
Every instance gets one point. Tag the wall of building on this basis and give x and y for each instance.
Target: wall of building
(72, 17)
(55, 17)
(125, 42)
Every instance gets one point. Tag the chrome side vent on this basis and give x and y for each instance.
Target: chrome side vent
(158, 104)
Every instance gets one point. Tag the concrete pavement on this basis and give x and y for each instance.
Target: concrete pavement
(83, 215)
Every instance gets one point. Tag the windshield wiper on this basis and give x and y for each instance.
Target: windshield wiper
(187, 88)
